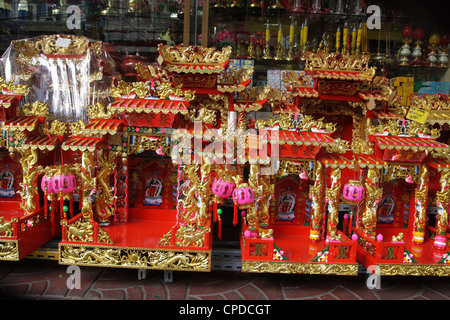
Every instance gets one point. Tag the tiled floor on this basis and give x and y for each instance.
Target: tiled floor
(46, 279)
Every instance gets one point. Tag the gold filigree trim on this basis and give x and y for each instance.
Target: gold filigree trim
(46, 44)
(336, 61)
(139, 89)
(9, 250)
(99, 111)
(413, 270)
(299, 267)
(37, 108)
(148, 72)
(194, 55)
(12, 88)
(126, 257)
(166, 89)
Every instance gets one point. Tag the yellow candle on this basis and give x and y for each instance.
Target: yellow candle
(305, 37)
(291, 33)
(358, 39)
(280, 34)
(354, 38)
(267, 34)
(338, 39)
(344, 37)
(302, 35)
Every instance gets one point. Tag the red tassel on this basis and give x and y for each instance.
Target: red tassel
(219, 232)
(235, 215)
(214, 210)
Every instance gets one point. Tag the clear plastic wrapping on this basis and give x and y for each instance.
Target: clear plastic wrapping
(67, 72)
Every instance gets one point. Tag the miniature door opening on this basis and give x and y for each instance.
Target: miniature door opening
(291, 204)
(152, 181)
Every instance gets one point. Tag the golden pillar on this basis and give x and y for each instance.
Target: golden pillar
(88, 184)
(373, 196)
(316, 194)
(421, 204)
(442, 199)
(29, 192)
(332, 196)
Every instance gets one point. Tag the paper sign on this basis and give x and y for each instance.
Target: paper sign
(63, 42)
(417, 115)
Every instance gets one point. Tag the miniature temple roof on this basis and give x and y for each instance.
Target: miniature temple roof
(340, 75)
(369, 161)
(194, 59)
(22, 123)
(304, 92)
(376, 96)
(41, 143)
(438, 117)
(7, 100)
(339, 66)
(337, 161)
(407, 143)
(103, 126)
(380, 114)
(149, 105)
(439, 164)
(286, 108)
(82, 143)
(299, 138)
(437, 106)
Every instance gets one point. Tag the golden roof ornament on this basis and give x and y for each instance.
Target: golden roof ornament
(339, 62)
(194, 59)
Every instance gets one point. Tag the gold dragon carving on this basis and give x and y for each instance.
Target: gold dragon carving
(28, 161)
(373, 197)
(195, 204)
(37, 108)
(316, 193)
(332, 196)
(88, 182)
(105, 193)
(421, 199)
(194, 54)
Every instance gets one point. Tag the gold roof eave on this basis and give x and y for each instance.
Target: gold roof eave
(194, 59)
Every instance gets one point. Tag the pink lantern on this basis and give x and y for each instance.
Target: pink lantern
(222, 188)
(64, 183)
(47, 184)
(353, 191)
(243, 195)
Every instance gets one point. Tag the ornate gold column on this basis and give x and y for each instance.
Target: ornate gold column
(88, 184)
(105, 193)
(421, 204)
(442, 199)
(316, 194)
(373, 197)
(332, 196)
(29, 192)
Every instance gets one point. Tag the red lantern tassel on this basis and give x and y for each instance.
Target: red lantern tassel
(219, 232)
(235, 214)
(214, 210)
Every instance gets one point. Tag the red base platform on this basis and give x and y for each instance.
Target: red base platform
(20, 235)
(291, 251)
(144, 242)
(401, 258)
